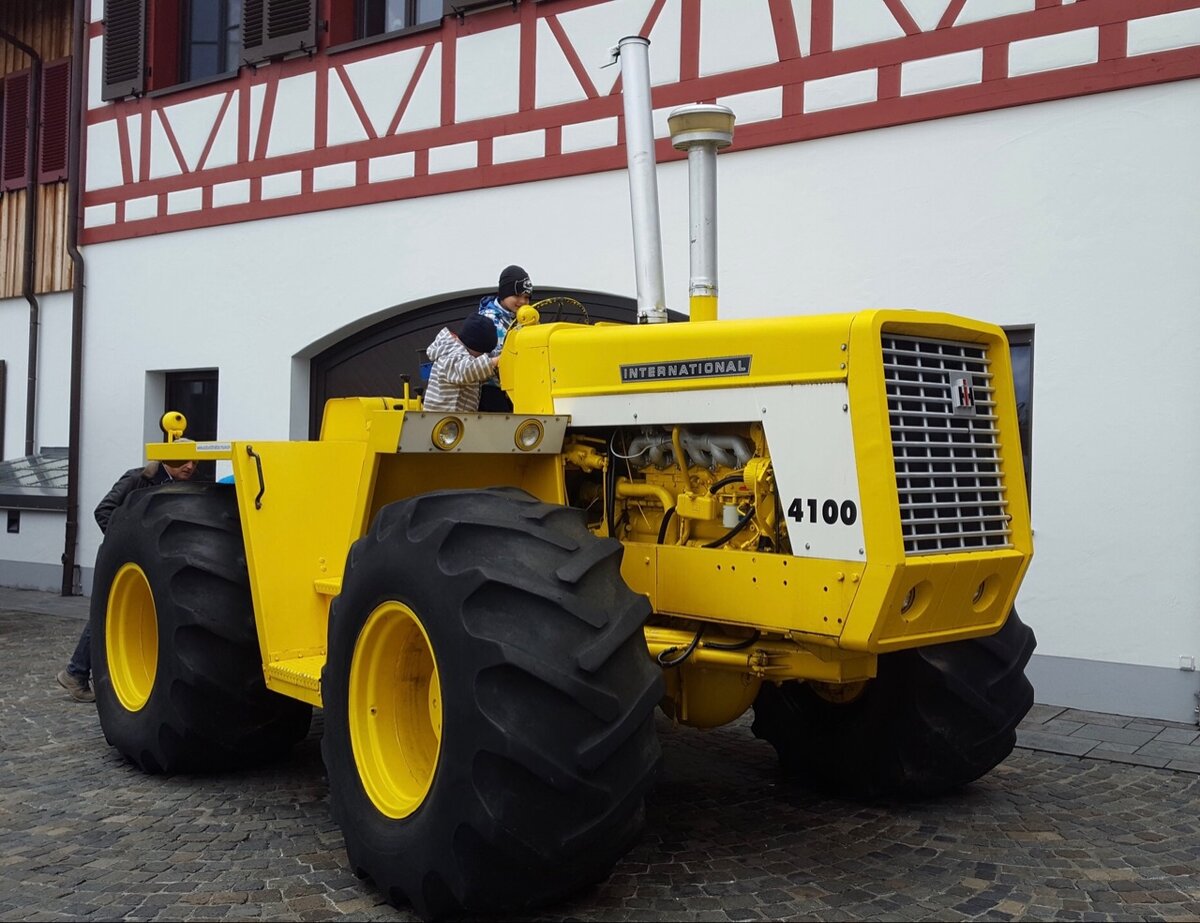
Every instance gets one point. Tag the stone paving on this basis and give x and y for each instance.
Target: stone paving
(1047, 835)
(1162, 744)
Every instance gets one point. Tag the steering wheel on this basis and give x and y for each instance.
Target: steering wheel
(562, 303)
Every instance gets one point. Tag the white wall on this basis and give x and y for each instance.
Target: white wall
(1079, 216)
(14, 350)
(53, 372)
(29, 559)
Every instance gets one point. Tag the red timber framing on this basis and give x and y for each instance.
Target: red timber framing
(1115, 67)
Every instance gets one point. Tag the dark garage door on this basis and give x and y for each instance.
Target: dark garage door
(372, 361)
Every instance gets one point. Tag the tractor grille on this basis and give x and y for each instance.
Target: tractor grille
(942, 410)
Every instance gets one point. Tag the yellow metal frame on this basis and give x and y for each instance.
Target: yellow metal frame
(318, 498)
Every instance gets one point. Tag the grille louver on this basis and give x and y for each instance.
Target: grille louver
(945, 442)
(274, 28)
(55, 126)
(124, 40)
(14, 166)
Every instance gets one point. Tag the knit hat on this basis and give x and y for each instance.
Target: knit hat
(514, 281)
(478, 333)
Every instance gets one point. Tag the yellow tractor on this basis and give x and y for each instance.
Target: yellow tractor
(822, 518)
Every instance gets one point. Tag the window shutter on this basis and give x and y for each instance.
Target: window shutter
(55, 124)
(271, 28)
(14, 169)
(124, 48)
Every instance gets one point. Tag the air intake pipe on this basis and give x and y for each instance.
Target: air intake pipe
(634, 53)
(700, 130)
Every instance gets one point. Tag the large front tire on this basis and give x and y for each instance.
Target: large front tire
(489, 703)
(934, 719)
(175, 656)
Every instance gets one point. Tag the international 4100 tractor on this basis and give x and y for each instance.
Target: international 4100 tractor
(822, 518)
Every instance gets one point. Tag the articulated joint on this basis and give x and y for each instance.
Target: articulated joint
(774, 659)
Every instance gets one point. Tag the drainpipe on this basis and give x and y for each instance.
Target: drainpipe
(27, 283)
(700, 130)
(74, 193)
(634, 52)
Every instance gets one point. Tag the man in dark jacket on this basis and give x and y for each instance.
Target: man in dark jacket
(76, 678)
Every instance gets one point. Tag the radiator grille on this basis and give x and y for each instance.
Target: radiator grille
(942, 411)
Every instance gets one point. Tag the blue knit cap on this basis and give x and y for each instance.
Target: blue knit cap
(478, 333)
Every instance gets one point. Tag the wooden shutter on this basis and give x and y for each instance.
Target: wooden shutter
(55, 124)
(272, 28)
(124, 48)
(14, 165)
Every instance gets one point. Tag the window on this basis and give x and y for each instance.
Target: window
(351, 20)
(194, 394)
(1020, 347)
(211, 38)
(374, 17)
(154, 45)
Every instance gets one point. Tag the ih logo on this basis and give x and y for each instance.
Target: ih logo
(963, 395)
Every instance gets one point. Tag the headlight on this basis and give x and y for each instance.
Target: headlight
(447, 433)
(529, 435)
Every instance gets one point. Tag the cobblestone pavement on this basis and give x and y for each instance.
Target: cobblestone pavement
(1111, 737)
(83, 834)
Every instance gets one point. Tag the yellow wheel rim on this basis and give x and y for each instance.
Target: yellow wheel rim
(395, 710)
(131, 637)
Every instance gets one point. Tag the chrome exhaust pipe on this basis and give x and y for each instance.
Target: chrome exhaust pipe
(701, 130)
(634, 52)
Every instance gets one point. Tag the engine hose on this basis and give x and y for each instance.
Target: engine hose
(687, 651)
(737, 645)
(610, 490)
(662, 529)
(741, 524)
(728, 479)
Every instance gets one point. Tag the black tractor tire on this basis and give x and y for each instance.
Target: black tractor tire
(208, 708)
(546, 744)
(934, 719)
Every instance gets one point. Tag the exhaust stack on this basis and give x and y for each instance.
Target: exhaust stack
(634, 53)
(701, 130)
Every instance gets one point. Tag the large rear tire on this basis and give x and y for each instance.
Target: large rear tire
(175, 656)
(489, 703)
(934, 719)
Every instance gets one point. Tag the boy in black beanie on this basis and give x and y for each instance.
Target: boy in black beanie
(512, 292)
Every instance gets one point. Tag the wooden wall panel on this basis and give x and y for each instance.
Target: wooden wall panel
(45, 25)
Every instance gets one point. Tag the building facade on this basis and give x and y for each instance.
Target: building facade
(283, 203)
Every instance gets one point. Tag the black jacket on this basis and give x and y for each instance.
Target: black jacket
(133, 479)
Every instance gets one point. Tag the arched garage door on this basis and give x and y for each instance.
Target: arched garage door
(372, 361)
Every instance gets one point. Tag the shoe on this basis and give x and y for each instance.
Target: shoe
(79, 688)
